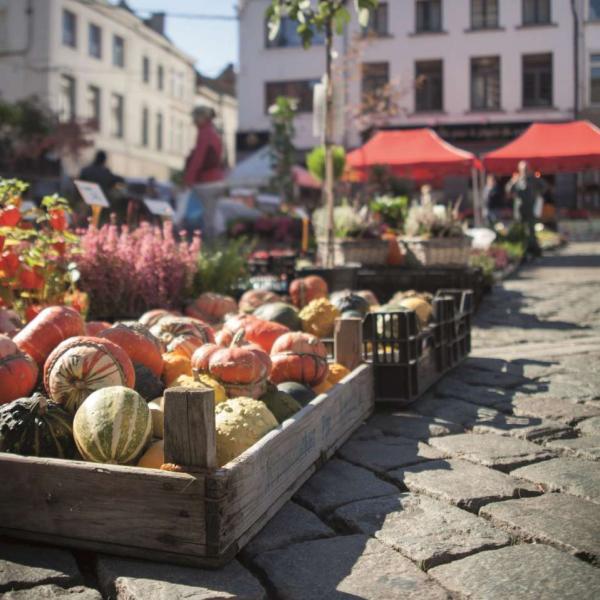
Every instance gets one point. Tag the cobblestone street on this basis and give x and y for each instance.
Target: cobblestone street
(489, 487)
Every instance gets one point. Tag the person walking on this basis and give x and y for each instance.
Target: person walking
(525, 188)
(203, 168)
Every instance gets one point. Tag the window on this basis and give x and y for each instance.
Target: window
(118, 51)
(94, 105)
(537, 80)
(375, 76)
(378, 21)
(159, 131)
(69, 26)
(485, 83)
(536, 12)
(429, 94)
(595, 79)
(145, 126)
(429, 15)
(301, 90)
(160, 77)
(594, 11)
(95, 41)
(287, 36)
(67, 99)
(146, 69)
(484, 14)
(117, 112)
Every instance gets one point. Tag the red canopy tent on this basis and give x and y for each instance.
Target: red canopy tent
(549, 148)
(414, 153)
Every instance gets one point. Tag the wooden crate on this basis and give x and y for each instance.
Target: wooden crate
(205, 515)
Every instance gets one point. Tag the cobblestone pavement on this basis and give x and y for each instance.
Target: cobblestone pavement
(489, 487)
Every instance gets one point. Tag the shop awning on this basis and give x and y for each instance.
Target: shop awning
(419, 154)
(549, 148)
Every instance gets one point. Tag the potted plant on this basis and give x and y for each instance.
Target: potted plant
(434, 235)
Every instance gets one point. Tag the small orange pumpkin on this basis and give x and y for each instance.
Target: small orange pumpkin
(257, 331)
(299, 357)
(18, 371)
(252, 299)
(211, 307)
(95, 327)
(306, 289)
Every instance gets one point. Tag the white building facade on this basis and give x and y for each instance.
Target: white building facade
(477, 71)
(92, 60)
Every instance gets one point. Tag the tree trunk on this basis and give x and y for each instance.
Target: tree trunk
(329, 199)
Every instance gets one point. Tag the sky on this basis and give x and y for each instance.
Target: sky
(213, 43)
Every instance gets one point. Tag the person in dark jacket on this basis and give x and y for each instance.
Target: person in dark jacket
(98, 172)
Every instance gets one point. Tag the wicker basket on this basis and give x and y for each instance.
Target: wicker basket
(433, 252)
(365, 252)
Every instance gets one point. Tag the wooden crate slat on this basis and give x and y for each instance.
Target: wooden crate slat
(271, 466)
(130, 506)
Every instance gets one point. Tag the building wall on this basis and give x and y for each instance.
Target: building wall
(41, 70)
(401, 48)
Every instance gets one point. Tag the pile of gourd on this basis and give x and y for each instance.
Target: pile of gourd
(95, 391)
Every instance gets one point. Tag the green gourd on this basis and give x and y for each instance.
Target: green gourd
(280, 312)
(281, 404)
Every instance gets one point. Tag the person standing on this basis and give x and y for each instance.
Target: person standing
(203, 168)
(525, 188)
(492, 200)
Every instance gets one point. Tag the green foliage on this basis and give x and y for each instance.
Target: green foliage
(347, 223)
(283, 152)
(515, 250)
(221, 268)
(486, 264)
(315, 161)
(316, 16)
(393, 209)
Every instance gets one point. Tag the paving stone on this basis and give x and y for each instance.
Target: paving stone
(524, 428)
(496, 451)
(587, 446)
(479, 377)
(388, 453)
(454, 410)
(454, 387)
(524, 571)
(366, 432)
(25, 566)
(566, 522)
(570, 385)
(290, 525)
(339, 482)
(573, 476)
(425, 530)
(555, 409)
(589, 426)
(124, 579)
(52, 592)
(462, 483)
(413, 425)
(343, 568)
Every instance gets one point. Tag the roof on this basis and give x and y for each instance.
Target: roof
(550, 148)
(223, 83)
(415, 153)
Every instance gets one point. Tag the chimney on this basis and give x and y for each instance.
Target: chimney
(157, 22)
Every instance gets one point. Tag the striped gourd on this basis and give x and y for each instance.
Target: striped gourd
(113, 425)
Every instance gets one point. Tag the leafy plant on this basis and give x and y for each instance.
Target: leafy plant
(433, 221)
(283, 153)
(35, 253)
(393, 210)
(315, 161)
(128, 272)
(347, 222)
(220, 269)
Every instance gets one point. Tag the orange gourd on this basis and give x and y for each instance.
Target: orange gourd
(252, 299)
(394, 257)
(306, 289)
(299, 357)
(18, 371)
(211, 307)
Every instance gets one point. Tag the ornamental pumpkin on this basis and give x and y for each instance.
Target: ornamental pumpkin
(154, 457)
(280, 312)
(18, 371)
(10, 322)
(147, 384)
(240, 369)
(318, 317)
(335, 374)
(202, 381)
(421, 307)
(300, 393)
(80, 365)
(252, 299)
(306, 289)
(299, 357)
(152, 317)
(174, 366)
(95, 327)
(185, 345)
(281, 404)
(201, 356)
(158, 417)
(113, 426)
(351, 302)
(169, 327)
(211, 307)
(223, 338)
(369, 296)
(36, 426)
(257, 331)
(141, 346)
(47, 330)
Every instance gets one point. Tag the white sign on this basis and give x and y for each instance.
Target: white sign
(91, 193)
(160, 208)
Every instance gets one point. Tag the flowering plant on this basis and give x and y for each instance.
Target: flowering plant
(36, 269)
(128, 272)
(431, 220)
